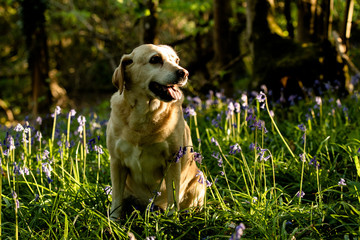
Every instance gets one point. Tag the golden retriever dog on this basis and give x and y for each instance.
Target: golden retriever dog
(147, 131)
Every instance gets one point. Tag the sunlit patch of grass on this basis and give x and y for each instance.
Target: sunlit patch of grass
(272, 173)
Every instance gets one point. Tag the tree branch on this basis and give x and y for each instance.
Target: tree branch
(341, 48)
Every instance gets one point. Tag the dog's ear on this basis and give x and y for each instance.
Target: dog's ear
(119, 77)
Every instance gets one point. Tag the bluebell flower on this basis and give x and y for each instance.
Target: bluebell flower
(235, 149)
(308, 116)
(300, 195)
(261, 97)
(250, 117)
(237, 107)
(342, 182)
(217, 157)
(318, 100)
(49, 180)
(252, 146)
(327, 85)
(39, 120)
(46, 167)
(16, 169)
(214, 141)
(98, 149)
(6, 152)
(197, 100)
(231, 107)
(38, 136)
(189, 111)
(244, 100)
(17, 204)
(56, 112)
(198, 157)
(46, 154)
(262, 154)
(338, 103)
(230, 110)
(36, 197)
(91, 143)
(302, 157)
(19, 128)
(81, 120)
(239, 231)
(200, 174)
(314, 162)
(292, 98)
(72, 113)
(302, 127)
(180, 154)
(108, 190)
(215, 123)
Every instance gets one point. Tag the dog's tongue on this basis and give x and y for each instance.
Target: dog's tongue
(174, 92)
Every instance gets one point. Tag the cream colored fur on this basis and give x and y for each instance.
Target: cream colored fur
(144, 134)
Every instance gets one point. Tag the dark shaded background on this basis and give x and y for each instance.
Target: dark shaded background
(63, 52)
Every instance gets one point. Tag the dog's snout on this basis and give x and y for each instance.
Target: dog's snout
(182, 73)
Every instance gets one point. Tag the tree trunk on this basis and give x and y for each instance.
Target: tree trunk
(223, 44)
(306, 20)
(226, 45)
(287, 13)
(327, 9)
(33, 18)
(347, 22)
(259, 35)
(149, 23)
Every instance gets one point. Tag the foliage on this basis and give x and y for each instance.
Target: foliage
(283, 173)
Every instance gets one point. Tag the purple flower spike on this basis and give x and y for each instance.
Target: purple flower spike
(200, 174)
(235, 149)
(198, 157)
(213, 140)
(342, 182)
(261, 97)
(302, 127)
(239, 231)
(300, 195)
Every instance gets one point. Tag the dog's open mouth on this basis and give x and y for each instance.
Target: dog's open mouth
(165, 93)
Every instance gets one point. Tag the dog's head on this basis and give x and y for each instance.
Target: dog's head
(152, 70)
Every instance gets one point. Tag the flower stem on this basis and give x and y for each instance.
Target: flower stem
(278, 131)
(302, 169)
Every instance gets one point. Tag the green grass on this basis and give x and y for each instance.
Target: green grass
(255, 186)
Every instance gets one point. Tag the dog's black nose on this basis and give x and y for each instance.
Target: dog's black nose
(182, 73)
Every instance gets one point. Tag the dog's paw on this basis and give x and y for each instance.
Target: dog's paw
(115, 214)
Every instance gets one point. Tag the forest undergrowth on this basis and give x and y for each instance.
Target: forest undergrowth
(272, 172)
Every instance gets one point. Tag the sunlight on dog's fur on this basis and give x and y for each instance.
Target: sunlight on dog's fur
(146, 130)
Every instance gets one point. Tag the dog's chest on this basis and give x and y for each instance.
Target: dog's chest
(144, 160)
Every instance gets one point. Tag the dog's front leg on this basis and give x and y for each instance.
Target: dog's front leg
(118, 180)
(172, 181)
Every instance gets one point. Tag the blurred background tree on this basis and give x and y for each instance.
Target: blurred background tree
(63, 52)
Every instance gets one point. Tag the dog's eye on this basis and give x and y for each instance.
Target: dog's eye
(156, 59)
(177, 60)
